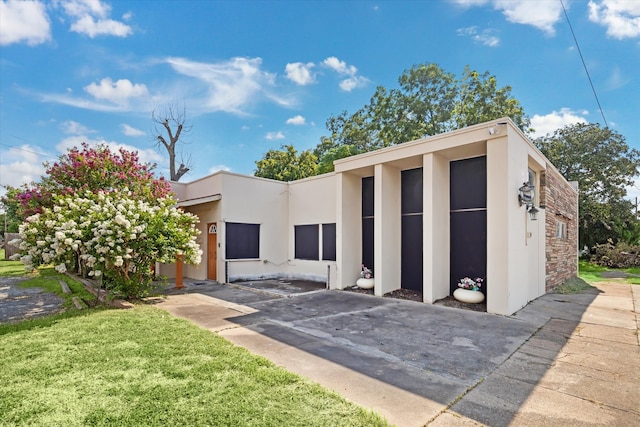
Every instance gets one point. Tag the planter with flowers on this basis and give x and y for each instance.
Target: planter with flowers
(366, 279)
(469, 290)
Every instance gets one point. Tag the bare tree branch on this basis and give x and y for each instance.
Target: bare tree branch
(170, 125)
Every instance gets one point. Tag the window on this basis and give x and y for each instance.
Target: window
(329, 242)
(532, 181)
(242, 240)
(307, 243)
(561, 229)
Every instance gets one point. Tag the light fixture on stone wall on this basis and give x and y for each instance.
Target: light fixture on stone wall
(525, 198)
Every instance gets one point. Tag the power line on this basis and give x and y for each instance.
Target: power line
(584, 64)
(25, 150)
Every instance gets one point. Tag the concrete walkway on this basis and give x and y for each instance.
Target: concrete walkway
(562, 360)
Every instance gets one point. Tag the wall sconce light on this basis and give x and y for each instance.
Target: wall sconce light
(525, 198)
(526, 195)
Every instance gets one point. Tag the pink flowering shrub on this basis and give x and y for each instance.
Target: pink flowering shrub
(89, 168)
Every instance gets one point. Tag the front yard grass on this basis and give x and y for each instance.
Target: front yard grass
(11, 268)
(142, 366)
(591, 273)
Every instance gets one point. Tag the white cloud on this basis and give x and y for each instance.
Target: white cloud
(215, 168)
(620, 17)
(617, 80)
(297, 120)
(131, 131)
(118, 92)
(109, 96)
(339, 66)
(229, 86)
(87, 25)
(21, 165)
(353, 80)
(91, 17)
(485, 37)
(22, 21)
(273, 136)
(74, 128)
(540, 14)
(300, 73)
(555, 120)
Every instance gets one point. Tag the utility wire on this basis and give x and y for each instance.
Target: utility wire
(25, 150)
(584, 64)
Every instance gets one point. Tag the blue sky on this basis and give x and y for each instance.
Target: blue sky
(253, 75)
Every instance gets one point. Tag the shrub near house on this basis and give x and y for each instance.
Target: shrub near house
(114, 236)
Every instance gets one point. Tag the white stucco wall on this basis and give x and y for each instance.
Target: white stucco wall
(348, 229)
(515, 243)
(312, 201)
(254, 200)
(387, 228)
(436, 249)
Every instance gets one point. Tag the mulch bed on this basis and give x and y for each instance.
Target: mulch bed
(411, 295)
(452, 302)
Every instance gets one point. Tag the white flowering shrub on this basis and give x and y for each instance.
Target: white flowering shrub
(114, 237)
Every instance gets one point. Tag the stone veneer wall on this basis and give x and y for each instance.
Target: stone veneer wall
(560, 201)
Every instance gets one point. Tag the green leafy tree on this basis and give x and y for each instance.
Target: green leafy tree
(286, 165)
(604, 166)
(480, 100)
(429, 101)
(10, 218)
(326, 162)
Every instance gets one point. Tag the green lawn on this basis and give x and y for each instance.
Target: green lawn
(591, 273)
(11, 268)
(145, 367)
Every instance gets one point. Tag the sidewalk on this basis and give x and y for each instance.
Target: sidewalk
(562, 360)
(582, 367)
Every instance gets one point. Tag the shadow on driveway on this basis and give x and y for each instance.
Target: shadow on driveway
(466, 365)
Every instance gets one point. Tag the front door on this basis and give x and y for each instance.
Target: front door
(212, 251)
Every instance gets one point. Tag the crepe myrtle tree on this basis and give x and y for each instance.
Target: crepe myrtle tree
(87, 168)
(117, 237)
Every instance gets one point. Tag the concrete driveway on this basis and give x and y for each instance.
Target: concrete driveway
(562, 360)
(17, 303)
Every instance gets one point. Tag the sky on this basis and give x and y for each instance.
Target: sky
(254, 75)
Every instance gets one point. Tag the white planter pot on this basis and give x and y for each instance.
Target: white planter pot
(365, 283)
(469, 296)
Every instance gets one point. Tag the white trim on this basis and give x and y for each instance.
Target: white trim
(200, 200)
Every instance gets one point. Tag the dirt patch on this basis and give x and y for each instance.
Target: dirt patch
(406, 294)
(452, 302)
(411, 295)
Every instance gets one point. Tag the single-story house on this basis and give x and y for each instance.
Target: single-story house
(481, 201)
